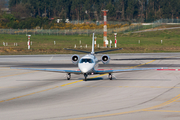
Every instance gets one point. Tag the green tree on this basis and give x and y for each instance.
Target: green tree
(14, 2)
(111, 11)
(21, 11)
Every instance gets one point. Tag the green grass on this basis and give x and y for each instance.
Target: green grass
(44, 44)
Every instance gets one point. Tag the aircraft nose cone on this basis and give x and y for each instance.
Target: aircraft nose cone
(85, 67)
(84, 70)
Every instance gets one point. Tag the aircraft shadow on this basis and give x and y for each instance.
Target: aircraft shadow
(94, 79)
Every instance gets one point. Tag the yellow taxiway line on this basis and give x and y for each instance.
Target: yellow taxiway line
(141, 110)
(55, 86)
(44, 90)
(105, 115)
(173, 111)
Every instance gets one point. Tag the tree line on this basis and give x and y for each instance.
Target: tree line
(137, 10)
(31, 13)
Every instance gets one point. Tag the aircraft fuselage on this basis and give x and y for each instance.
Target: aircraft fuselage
(87, 64)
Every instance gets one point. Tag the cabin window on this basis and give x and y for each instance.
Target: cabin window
(86, 61)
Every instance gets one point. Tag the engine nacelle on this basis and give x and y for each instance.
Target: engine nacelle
(75, 59)
(105, 59)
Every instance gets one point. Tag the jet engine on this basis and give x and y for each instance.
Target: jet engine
(75, 59)
(105, 59)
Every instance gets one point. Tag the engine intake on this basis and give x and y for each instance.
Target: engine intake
(75, 59)
(105, 59)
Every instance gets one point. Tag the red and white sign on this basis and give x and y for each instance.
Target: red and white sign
(28, 43)
(115, 40)
(95, 42)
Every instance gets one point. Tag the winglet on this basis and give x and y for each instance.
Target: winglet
(92, 52)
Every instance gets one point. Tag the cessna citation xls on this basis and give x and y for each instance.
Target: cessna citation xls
(88, 63)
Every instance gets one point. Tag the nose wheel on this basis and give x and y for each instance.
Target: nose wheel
(68, 76)
(85, 77)
(110, 76)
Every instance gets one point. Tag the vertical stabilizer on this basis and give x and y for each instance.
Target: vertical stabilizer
(92, 52)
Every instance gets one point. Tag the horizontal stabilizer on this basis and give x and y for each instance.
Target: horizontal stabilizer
(95, 52)
(77, 50)
(108, 50)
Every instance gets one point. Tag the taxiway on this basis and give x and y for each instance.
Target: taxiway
(39, 95)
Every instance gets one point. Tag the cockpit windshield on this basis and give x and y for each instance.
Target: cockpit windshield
(86, 61)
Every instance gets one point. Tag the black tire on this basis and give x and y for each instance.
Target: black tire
(110, 76)
(85, 77)
(68, 76)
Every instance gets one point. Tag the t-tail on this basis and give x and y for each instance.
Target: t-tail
(92, 52)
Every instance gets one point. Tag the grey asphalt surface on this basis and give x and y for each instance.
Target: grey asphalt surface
(38, 95)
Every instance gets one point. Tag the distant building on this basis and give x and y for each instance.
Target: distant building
(60, 20)
(6, 7)
(7, 10)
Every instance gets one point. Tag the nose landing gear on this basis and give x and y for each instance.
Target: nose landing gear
(85, 76)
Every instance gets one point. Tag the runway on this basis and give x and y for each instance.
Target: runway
(39, 95)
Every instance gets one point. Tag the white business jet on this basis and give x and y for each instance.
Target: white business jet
(88, 64)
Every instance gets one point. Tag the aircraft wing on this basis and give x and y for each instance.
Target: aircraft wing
(51, 70)
(123, 70)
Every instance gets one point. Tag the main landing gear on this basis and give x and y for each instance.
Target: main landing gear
(85, 76)
(68, 76)
(110, 76)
